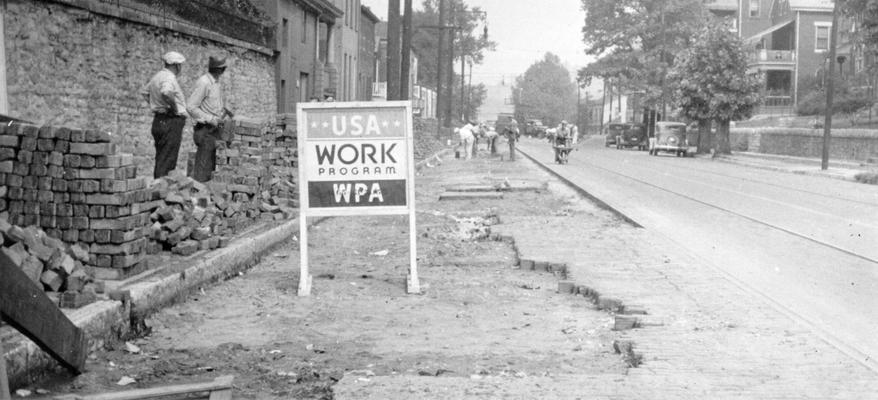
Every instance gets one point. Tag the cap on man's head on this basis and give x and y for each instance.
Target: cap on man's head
(513, 122)
(216, 62)
(172, 57)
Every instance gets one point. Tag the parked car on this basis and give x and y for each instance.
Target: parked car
(670, 137)
(535, 128)
(502, 122)
(613, 130)
(633, 135)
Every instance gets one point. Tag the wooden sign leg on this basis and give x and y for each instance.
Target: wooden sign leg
(4, 379)
(304, 274)
(413, 286)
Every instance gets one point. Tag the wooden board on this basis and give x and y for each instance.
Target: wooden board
(4, 379)
(470, 195)
(220, 389)
(24, 306)
(471, 188)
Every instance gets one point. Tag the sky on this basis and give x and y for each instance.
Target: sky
(524, 31)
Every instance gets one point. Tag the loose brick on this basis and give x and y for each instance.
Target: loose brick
(96, 149)
(52, 280)
(97, 173)
(87, 162)
(16, 253)
(186, 248)
(33, 268)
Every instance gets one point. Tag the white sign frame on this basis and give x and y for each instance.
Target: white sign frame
(305, 209)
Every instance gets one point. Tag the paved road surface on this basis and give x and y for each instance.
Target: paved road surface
(809, 244)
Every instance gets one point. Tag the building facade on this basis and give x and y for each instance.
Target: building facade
(790, 53)
(300, 67)
(367, 55)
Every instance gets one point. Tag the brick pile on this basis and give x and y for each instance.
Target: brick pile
(72, 184)
(190, 218)
(50, 263)
(284, 162)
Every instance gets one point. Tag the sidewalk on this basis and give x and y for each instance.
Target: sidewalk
(838, 169)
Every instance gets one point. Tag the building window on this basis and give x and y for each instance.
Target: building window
(821, 37)
(754, 8)
(286, 33)
(304, 26)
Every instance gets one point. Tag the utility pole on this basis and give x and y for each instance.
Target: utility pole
(578, 104)
(469, 92)
(463, 116)
(393, 31)
(449, 73)
(662, 63)
(830, 87)
(406, 59)
(440, 62)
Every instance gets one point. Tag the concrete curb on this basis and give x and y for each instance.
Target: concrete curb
(109, 320)
(583, 192)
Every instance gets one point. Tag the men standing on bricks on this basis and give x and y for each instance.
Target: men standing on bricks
(208, 109)
(168, 105)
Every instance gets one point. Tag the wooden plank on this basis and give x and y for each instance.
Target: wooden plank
(221, 385)
(27, 308)
(470, 195)
(4, 379)
(471, 188)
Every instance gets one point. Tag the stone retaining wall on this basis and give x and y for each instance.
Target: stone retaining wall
(82, 64)
(846, 144)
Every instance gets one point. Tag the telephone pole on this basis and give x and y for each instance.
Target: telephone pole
(405, 68)
(393, 52)
(440, 96)
(830, 88)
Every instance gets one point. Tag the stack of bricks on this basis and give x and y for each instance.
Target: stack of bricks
(284, 162)
(72, 183)
(50, 263)
(242, 171)
(192, 218)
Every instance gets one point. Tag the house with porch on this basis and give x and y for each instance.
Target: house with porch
(787, 42)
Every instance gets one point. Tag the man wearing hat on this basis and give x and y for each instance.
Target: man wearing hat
(511, 132)
(208, 109)
(168, 105)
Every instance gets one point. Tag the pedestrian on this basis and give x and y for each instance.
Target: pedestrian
(575, 131)
(208, 109)
(467, 138)
(491, 139)
(166, 102)
(511, 132)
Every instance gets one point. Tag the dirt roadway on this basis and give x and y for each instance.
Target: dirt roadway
(479, 318)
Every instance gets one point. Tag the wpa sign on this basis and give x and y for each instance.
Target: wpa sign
(355, 159)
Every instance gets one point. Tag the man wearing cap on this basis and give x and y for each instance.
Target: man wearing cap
(207, 108)
(168, 105)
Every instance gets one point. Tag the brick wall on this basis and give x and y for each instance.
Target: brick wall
(846, 144)
(73, 67)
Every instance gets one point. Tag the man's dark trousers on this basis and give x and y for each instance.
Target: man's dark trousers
(205, 136)
(167, 132)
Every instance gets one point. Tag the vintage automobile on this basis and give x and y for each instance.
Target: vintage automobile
(670, 137)
(633, 135)
(535, 128)
(613, 130)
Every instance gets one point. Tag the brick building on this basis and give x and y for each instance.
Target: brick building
(790, 51)
(81, 63)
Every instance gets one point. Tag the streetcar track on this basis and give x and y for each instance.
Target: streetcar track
(749, 218)
(825, 335)
(775, 185)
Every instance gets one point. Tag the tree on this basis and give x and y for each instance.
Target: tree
(865, 13)
(713, 83)
(545, 91)
(636, 40)
(468, 40)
